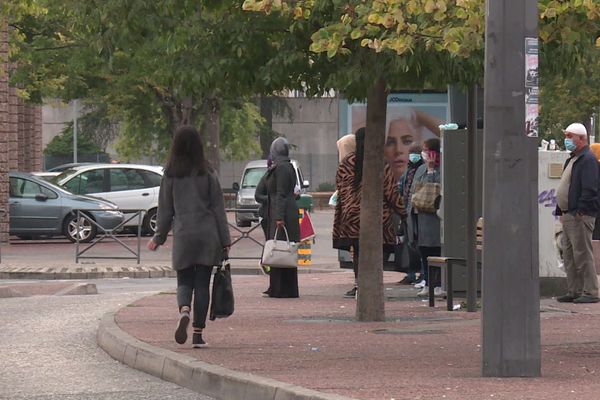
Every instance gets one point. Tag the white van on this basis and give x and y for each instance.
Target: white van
(253, 172)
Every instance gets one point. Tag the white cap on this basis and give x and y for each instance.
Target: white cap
(577, 129)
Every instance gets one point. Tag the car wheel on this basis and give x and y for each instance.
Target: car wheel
(149, 224)
(87, 230)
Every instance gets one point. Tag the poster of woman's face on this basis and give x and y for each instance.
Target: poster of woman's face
(405, 125)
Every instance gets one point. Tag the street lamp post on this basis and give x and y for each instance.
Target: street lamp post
(75, 113)
(510, 314)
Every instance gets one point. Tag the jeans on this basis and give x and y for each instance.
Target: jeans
(194, 282)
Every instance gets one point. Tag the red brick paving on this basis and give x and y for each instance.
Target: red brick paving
(421, 353)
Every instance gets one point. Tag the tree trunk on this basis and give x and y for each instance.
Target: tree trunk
(211, 130)
(370, 304)
(266, 132)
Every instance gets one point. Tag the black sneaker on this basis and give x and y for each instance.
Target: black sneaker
(567, 298)
(586, 299)
(350, 294)
(197, 341)
(407, 280)
(181, 331)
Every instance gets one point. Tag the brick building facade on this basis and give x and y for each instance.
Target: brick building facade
(20, 133)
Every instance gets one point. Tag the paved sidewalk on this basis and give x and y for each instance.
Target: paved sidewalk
(279, 348)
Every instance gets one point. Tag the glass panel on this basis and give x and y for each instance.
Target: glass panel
(118, 180)
(152, 179)
(92, 181)
(252, 177)
(73, 185)
(48, 192)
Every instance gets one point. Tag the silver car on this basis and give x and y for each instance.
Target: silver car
(252, 174)
(39, 208)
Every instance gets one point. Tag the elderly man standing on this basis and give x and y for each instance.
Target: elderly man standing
(577, 198)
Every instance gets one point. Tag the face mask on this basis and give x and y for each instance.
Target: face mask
(414, 158)
(569, 144)
(424, 156)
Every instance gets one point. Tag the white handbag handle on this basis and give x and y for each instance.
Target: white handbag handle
(286, 234)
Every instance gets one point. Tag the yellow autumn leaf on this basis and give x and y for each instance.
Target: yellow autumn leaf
(429, 6)
(356, 33)
(373, 18)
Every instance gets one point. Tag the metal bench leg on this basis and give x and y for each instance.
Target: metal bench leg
(449, 289)
(430, 287)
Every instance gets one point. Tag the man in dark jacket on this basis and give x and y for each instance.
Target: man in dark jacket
(577, 198)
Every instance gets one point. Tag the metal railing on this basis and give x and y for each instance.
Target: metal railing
(245, 234)
(109, 233)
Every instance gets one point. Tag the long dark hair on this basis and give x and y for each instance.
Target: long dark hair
(186, 156)
(360, 155)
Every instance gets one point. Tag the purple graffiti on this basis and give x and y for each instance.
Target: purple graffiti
(547, 198)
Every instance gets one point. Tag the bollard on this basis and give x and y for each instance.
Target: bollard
(305, 247)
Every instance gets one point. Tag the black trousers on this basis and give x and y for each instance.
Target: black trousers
(194, 282)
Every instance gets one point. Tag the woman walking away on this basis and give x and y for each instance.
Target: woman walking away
(282, 211)
(191, 202)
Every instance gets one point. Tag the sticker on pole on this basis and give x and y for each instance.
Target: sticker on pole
(532, 91)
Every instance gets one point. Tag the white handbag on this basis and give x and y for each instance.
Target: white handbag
(279, 253)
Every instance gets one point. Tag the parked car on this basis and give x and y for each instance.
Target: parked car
(253, 172)
(129, 186)
(39, 208)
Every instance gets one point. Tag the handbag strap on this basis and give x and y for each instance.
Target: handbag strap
(287, 238)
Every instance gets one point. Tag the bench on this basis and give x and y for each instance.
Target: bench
(448, 263)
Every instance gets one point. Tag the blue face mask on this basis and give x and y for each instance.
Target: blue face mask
(414, 158)
(569, 144)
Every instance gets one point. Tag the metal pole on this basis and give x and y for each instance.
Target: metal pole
(471, 155)
(75, 131)
(139, 234)
(77, 239)
(511, 310)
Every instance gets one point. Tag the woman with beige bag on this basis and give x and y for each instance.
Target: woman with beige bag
(425, 201)
(281, 213)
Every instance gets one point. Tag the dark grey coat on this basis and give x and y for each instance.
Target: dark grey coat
(281, 201)
(193, 207)
(429, 227)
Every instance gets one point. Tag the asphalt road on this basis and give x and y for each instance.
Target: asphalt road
(48, 347)
(61, 250)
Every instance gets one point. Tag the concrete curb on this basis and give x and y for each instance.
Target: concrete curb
(132, 272)
(211, 380)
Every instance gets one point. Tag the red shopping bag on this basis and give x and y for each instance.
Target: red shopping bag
(307, 231)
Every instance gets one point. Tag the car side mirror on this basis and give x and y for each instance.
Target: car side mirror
(305, 184)
(41, 197)
(236, 186)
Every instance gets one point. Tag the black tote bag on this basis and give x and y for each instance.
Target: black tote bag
(222, 301)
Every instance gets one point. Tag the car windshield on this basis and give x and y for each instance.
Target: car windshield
(252, 177)
(64, 176)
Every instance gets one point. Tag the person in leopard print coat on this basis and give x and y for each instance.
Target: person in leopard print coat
(346, 222)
